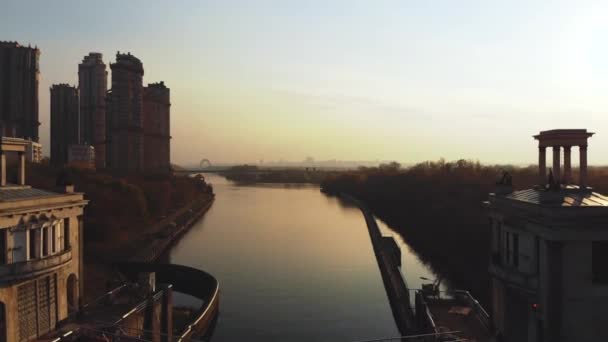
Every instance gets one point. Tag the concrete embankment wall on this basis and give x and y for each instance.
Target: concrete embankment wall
(394, 282)
(172, 231)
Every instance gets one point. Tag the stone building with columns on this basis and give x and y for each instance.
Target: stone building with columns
(41, 268)
(549, 249)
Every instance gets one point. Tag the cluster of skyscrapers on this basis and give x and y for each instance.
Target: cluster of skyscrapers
(127, 126)
(124, 129)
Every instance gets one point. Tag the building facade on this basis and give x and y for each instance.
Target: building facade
(93, 86)
(124, 118)
(64, 121)
(81, 156)
(40, 252)
(33, 152)
(19, 77)
(157, 137)
(549, 248)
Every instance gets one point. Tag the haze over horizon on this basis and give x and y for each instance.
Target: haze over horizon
(347, 80)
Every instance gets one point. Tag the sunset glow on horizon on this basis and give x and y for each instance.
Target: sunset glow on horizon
(347, 80)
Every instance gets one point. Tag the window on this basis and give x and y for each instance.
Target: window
(53, 239)
(599, 261)
(3, 246)
(515, 249)
(32, 249)
(66, 233)
(537, 251)
(507, 248)
(45, 242)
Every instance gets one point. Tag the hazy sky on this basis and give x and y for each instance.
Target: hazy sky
(394, 80)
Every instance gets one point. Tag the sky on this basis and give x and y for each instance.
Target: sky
(349, 80)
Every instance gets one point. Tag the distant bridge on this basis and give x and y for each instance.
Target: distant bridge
(204, 165)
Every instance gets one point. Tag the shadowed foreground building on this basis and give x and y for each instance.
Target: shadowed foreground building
(40, 252)
(124, 118)
(549, 251)
(64, 121)
(157, 105)
(93, 85)
(19, 74)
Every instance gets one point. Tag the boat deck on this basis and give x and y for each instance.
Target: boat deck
(456, 312)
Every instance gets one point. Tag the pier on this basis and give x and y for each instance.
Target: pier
(388, 257)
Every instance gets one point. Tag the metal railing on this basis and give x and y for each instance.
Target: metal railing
(481, 314)
(419, 337)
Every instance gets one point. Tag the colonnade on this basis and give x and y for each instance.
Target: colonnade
(566, 177)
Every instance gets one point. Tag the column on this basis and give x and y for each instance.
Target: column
(567, 165)
(21, 168)
(167, 314)
(542, 165)
(2, 168)
(556, 164)
(583, 166)
(80, 239)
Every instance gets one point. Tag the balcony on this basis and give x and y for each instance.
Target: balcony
(32, 268)
(511, 274)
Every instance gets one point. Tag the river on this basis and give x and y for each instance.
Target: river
(293, 265)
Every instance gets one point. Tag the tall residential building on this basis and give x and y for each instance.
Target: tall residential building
(124, 117)
(64, 121)
(157, 136)
(41, 268)
(19, 74)
(93, 85)
(549, 248)
(33, 152)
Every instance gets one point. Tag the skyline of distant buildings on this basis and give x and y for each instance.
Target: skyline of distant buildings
(19, 81)
(128, 125)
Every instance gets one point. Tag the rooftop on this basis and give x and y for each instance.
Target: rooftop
(566, 196)
(16, 45)
(16, 193)
(93, 58)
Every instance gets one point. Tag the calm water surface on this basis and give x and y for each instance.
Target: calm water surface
(293, 265)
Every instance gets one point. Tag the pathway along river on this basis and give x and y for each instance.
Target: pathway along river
(293, 265)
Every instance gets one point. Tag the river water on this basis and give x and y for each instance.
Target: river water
(293, 265)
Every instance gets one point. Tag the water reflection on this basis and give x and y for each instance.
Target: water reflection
(293, 264)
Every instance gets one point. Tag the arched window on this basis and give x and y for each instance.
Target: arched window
(3, 323)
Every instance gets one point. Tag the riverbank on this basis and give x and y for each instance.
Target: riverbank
(149, 246)
(437, 209)
(127, 216)
(249, 174)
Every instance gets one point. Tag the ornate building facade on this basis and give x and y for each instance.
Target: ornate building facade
(19, 75)
(64, 121)
(549, 249)
(93, 86)
(41, 268)
(157, 138)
